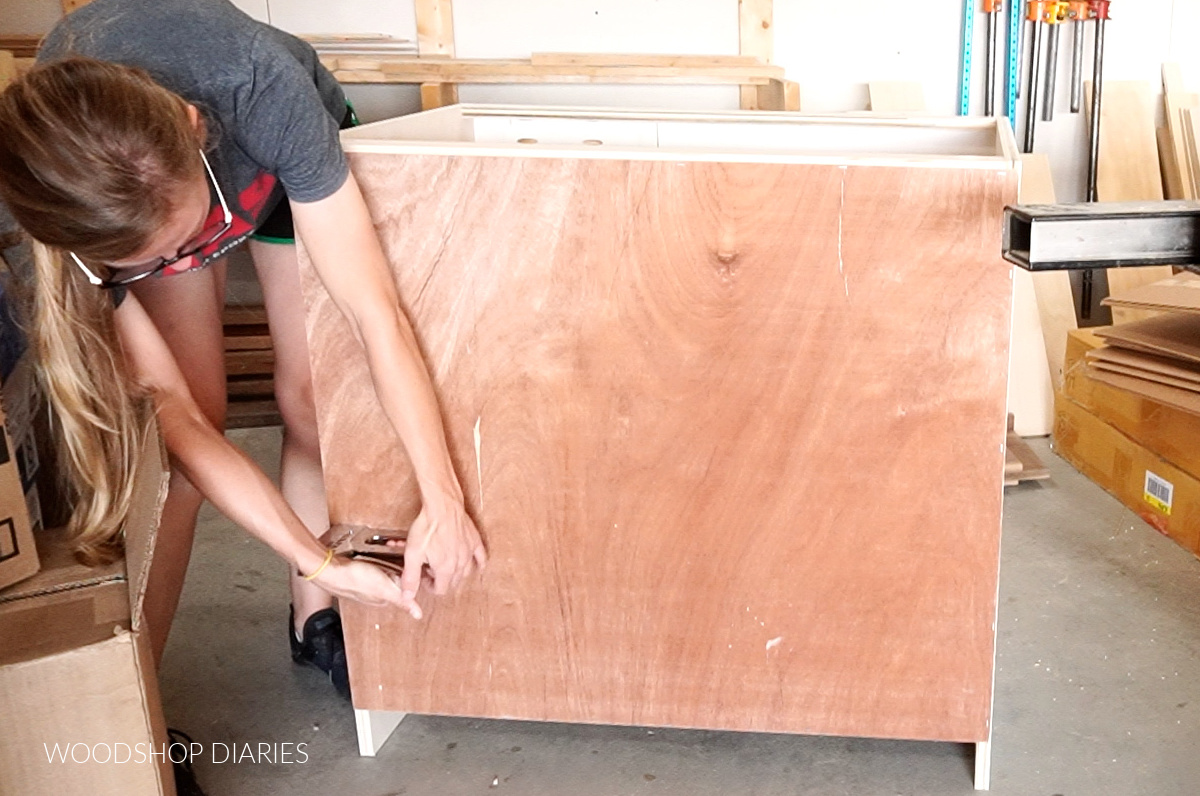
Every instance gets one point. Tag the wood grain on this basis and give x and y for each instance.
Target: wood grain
(409, 69)
(740, 440)
(435, 28)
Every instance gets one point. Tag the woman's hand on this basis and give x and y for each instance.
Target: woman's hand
(444, 539)
(365, 583)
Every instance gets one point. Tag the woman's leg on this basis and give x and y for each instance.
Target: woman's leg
(186, 308)
(301, 480)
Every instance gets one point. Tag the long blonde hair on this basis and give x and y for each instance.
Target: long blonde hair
(91, 154)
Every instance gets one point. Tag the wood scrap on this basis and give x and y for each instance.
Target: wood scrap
(359, 44)
(896, 96)
(1032, 468)
(1150, 367)
(1029, 466)
(1176, 335)
(1186, 400)
(1179, 293)
(1020, 462)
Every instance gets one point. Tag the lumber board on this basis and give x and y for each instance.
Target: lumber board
(21, 45)
(756, 38)
(248, 363)
(407, 69)
(8, 68)
(1128, 169)
(1168, 160)
(555, 59)
(247, 341)
(70, 5)
(244, 315)
(252, 414)
(438, 95)
(1175, 99)
(777, 95)
(251, 386)
(632, 386)
(435, 28)
(896, 96)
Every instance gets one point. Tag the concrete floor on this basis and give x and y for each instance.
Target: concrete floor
(1097, 687)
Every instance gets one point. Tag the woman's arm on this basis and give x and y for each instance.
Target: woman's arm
(341, 241)
(227, 477)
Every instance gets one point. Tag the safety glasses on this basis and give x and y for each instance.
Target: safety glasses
(192, 247)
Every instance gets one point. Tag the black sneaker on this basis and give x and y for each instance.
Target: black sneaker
(185, 775)
(322, 646)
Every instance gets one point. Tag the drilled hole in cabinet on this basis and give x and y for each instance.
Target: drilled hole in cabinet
(526, 140)
(593, 142)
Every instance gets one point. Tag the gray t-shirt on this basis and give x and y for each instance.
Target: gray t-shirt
(272, 110)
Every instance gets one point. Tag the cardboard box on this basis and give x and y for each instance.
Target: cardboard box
(1162, 494)
(18, 555)
(78, 690)
(28, 422)
(1168, 432)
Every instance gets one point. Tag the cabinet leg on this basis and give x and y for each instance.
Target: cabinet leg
(374, 728)
(983, 765)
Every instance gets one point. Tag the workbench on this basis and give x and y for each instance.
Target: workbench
(726, 396)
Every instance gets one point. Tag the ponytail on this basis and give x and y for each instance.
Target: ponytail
(91, 156)
(98, 412)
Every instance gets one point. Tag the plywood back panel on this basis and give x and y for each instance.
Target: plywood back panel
(740, 433)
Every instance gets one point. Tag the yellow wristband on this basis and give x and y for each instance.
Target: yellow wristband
(320, 569)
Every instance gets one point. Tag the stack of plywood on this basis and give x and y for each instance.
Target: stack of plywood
(1129, 413)
(1177, 137)
(1158, 357)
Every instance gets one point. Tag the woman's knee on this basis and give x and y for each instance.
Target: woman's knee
(298, 409)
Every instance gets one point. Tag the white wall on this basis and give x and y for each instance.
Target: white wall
(832, 49)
